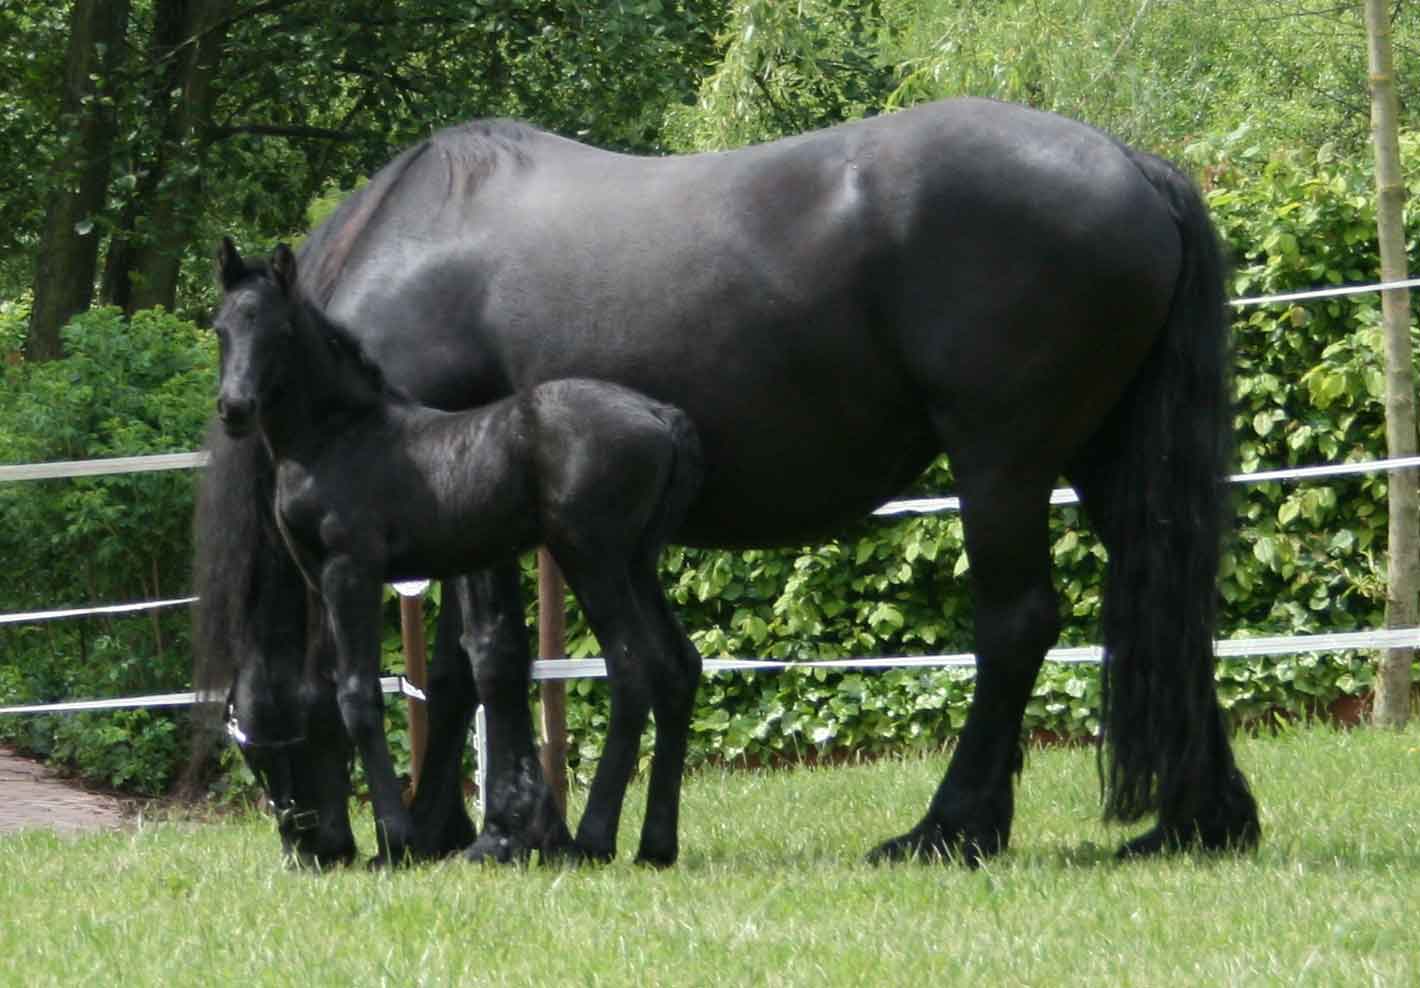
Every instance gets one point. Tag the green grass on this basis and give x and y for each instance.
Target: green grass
(771, 890)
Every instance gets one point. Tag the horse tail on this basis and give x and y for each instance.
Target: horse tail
(1171, 439)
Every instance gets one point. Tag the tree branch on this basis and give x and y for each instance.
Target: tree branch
(274, 130)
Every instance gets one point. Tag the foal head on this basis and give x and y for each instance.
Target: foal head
(255, 332)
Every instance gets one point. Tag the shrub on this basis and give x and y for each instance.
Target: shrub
(124, 387)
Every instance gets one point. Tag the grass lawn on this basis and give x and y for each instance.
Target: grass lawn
(771, 890)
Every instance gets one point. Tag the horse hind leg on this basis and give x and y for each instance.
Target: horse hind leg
(1017, 620)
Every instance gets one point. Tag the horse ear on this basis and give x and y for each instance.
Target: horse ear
(283, 268)
(230, 266)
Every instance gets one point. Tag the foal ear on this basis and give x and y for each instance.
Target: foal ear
(283, 268)
(230, 266)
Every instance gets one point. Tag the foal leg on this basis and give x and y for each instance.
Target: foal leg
(617, 616)
(352, 597)
(1017, 620)
(520, 815)
(651, 666)
(441, 822)
(675, 679)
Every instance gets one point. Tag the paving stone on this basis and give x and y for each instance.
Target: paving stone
(33, 795)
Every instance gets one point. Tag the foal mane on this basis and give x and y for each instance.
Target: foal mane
(346, 347)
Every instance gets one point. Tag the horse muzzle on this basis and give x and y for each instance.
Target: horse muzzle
(238, 416)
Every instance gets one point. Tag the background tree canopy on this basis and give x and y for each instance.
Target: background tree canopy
(134, 133)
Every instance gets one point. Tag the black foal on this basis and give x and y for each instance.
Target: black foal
(371, 487)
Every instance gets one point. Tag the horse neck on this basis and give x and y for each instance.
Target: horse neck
(325, 393)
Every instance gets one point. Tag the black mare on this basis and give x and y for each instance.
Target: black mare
(371, 486)
(832, 310)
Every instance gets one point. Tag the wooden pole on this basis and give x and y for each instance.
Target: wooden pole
(1392, 706)
(552, 644)
(416, 670)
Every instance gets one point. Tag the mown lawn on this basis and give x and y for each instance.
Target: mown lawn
(771, 890)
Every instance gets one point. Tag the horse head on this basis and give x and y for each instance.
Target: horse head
(254, 331)
(288, 729)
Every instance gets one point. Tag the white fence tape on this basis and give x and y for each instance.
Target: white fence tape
(388, 684)
(1333, 292)
(1065, 495)
(544, 669)
(103, 468)
(905, 506)
(35, 617)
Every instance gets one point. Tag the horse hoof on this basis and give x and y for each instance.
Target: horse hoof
(657, 857)
(573, 855)
(432, 843)
(1240, 838)
(928, 842)
(493, 849)
(389, 860)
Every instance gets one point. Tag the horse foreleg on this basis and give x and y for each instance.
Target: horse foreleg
(520, 814)
(1007, 542)
(442, 825)
(352, 599)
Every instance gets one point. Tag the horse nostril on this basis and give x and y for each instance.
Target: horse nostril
(235, 413)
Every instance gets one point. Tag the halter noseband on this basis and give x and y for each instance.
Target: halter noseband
(286, 814)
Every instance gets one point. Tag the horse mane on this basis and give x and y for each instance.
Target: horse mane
(468, 153)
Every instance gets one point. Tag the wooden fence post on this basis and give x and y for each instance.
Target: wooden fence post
(416, 670)
(552, 644)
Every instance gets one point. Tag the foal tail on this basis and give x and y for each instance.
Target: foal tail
(1164, 521)
(687, 471)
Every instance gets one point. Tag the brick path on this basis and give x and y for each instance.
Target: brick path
(31, 795)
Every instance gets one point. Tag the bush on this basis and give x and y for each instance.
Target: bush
(124, 387)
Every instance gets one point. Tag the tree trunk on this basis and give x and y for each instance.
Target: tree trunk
(189, 39)
(1392, 707)
(69, 248)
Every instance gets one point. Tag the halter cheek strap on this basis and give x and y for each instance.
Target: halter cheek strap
(245, 741)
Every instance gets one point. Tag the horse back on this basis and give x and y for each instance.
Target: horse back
(823, 308)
